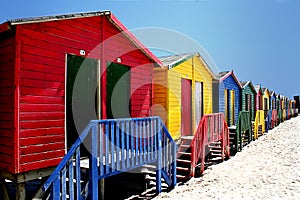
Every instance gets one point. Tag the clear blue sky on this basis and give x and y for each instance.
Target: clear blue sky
(258, 39)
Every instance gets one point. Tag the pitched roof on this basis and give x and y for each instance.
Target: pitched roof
(257, 87)
(174, 60)
(223, 75)
(244, 84)
(7, 25)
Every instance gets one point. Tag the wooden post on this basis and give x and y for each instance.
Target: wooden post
(101, 189)
(20, 191)
(4, 189)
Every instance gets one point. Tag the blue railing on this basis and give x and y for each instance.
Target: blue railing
(114, 146)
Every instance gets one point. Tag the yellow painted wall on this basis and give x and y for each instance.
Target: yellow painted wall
(193, 69)
(167, 92)
(174, 104)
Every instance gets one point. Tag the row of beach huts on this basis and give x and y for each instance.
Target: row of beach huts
(81, 100)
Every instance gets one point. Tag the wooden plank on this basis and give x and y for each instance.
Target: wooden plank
(42, 92)
(25, 133)
(41, 116)
(28, 158)
(38, 148)
(40, 164)
(25, 142)
(42, 107)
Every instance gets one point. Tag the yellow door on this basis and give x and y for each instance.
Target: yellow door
(232, 98)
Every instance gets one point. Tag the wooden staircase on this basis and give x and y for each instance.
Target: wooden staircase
(234, 144)
(214, 155)
(184, 159)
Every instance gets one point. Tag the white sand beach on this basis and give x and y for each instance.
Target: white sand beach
(268, 168)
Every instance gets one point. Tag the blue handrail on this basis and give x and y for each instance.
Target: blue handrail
(114, 146)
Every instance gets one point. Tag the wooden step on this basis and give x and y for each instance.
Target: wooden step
(181, 176)
(183, 161)
(187, 137)
(215, 151)
(183, 169)
(185, 146)
(216, 154)
(184, 153)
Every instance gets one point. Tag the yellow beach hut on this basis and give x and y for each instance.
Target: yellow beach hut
(183, 92)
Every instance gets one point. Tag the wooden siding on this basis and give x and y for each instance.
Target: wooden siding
(160, 100)
(249, 91)
(230, 84)
(192, 69)
(174, 104)
(266, 103)
(204, 76)
(43, 49)
(7, 66)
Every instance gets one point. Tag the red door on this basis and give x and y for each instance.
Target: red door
(186, 107)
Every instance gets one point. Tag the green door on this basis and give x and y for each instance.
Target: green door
(118, 91)
(82, 95)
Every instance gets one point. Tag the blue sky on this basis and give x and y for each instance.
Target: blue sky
(258, 39)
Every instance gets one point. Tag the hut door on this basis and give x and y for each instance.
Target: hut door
(186, 107)
(118, 91)
(198, 101)
(227, 108)
(232, 107)
(82, 93)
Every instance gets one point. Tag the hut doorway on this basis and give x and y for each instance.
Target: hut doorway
(82, 95)
(198, 101)
(118, 91)
(227, 107)
(232, 107)
(186, 107)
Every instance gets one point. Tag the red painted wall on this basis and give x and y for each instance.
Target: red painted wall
(43, 47)
(7, 65)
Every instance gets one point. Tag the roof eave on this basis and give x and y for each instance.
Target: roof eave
(133, 39)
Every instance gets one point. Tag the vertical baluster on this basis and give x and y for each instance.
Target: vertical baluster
(112, 145)
(174, 165)
(78, 175)
(148, 146)
(93, 168)
(145, 144)
(117, 149)
(71, 179)
(56, 189)
(132, 141)
(140, 130)
(64, 183)
(136, 134)
(101, 148)
(155, 133)
(127, 143)
(122, 144)
(106, 148)
(159, 160)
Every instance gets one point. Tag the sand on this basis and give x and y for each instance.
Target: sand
(268, 168)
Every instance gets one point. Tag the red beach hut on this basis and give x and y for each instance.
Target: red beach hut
(39, 61)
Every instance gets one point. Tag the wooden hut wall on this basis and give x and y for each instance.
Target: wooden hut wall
(40, 66)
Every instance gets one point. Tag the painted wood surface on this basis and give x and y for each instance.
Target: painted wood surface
(193, 69)
(7, 104)
(41, 59)
(229, 97)
(186, 107)
(248, 99)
